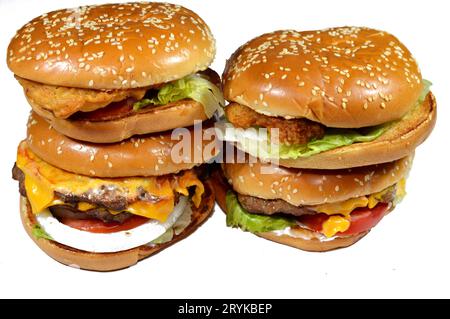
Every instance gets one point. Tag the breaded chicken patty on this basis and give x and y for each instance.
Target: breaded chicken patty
(65, 101)
(294, 131)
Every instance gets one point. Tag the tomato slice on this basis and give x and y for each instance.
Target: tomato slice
(315, 221)
(362, 219)
(98, 226)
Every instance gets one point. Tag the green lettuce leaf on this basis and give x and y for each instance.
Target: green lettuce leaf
(425, 90)
(332, 139)
(192, 86)
(38, 232)
(237, 216)
(164, 238)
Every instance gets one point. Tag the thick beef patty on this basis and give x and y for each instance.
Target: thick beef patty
(104, 201)
(66, 211)
(274, 206)
(271, 206)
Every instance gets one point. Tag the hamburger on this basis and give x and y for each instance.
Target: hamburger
(329, 120)
(104, 73)
(101, 179)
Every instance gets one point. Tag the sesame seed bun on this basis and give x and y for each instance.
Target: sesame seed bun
(112, 261)
(148, 155)
(298, 237)
(346, 77)
(112, 46)
(313, 187)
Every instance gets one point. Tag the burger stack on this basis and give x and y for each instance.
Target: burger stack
(101, 188)
(343, 110)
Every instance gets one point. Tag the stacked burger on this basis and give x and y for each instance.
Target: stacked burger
(101, 187)
(329, 121)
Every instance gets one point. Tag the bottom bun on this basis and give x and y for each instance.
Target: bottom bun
(117, 260)
(308, 240)
(313, 244)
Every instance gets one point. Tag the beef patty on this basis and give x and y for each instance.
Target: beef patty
(274, 206)
(67, 211)
(271, 206)
(104, 201)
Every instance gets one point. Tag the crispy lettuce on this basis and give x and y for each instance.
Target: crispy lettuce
(195, 87)
(164, 238)
(237, 216)
(332, 139)
(38, 232)
(177, 228)
(425, 90)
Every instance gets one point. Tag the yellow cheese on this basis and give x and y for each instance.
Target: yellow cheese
(39, 193)
(43, 179)
(400, 191)
(146, 209)
(372, 202)
(343, 208)
(346, 207)
(85, 206)
(189, 179)
(335, 224)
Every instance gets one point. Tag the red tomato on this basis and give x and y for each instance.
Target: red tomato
(98, 226)
(314, 222)
(362, 219)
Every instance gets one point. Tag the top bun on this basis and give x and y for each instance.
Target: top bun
(112, 46)
(344, 77)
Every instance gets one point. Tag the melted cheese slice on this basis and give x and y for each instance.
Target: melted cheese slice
(346, 207)
(339, 220)
(343, 208)
(335, 224)
(42, 180)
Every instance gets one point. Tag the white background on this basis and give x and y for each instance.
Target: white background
(406, 255)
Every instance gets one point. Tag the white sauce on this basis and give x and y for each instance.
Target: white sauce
(302, 233)
(112, 242)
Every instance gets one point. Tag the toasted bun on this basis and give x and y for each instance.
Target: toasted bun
(313, 244)
(313, 187)
(148, 155)
(112, 46)
(112, 261)
(304, 239)
(399, 141)
(341, 77)
(157, 119)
